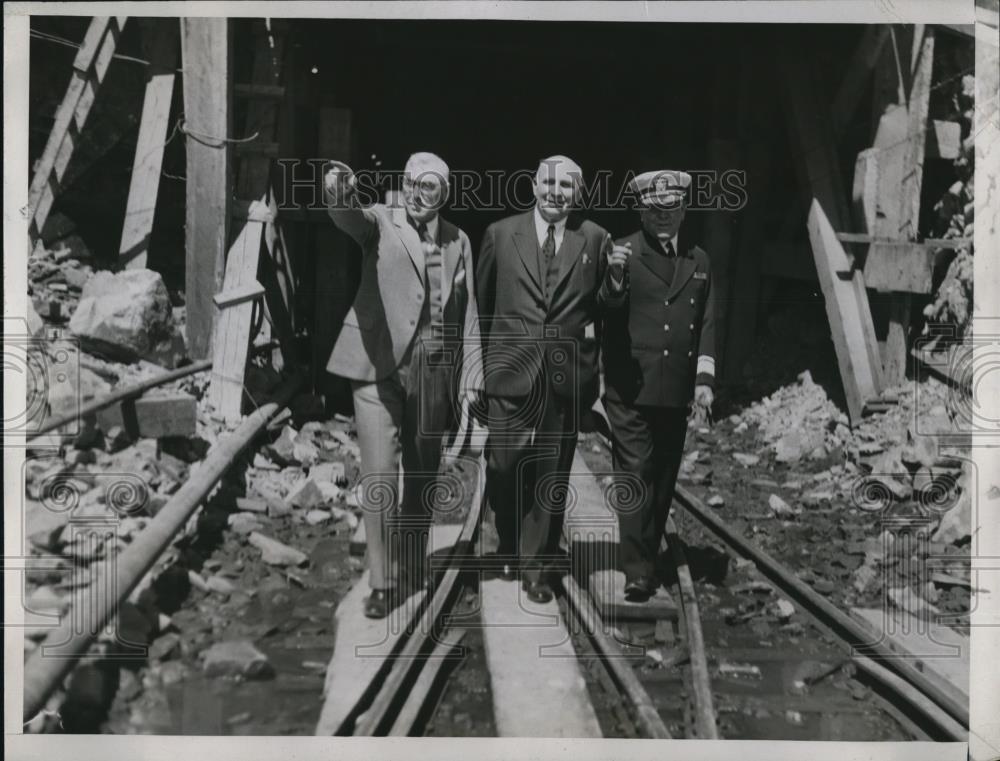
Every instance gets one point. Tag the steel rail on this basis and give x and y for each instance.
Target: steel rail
(704, 708)
(647, 717)
(378, 717)
(847, 629)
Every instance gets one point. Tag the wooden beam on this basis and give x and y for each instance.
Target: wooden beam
(160, 46)
(846, 299)
(205, 48)
(232, 336)
(89, 68)
(248, 292)
(854, 355)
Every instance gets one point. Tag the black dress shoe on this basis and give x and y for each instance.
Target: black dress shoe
(640, 588)
(538, 591)
(380, 602)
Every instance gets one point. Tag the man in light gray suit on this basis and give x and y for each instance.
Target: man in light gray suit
(410, 347)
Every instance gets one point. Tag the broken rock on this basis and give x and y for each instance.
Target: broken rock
(127, 316)
(276, 553)
(780, 508)
(956, 524)
(237, 658)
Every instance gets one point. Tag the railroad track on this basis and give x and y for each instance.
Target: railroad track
(401, 695)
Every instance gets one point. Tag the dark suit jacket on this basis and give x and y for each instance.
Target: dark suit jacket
(525, 335)
(658, 327)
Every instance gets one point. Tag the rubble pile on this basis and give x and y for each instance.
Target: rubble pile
(854, 511)
(58, 271)
(954, 218)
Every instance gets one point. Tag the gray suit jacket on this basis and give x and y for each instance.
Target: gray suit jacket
(381, 324)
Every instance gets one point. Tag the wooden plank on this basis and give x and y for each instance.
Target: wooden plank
(205, 46)
(944, 140)
(533, 667)
(232, 335)
(913, 160)
(363, 645)
(857, 371)
(160, 45)
(926, 243)
(846, 300)
(240, 294)
(591, 530)
(912, 171)
(89, 68)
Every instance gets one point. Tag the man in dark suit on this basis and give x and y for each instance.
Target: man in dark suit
(538, 276)
(410, 348)
(658, 353)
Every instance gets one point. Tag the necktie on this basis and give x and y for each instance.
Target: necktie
(669, 248)
(549, 250)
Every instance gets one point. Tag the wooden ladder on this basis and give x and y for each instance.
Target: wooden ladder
(251, 279)
(89, 67)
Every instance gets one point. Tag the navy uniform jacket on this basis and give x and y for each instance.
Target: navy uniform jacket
(658, 336)
(525, 333)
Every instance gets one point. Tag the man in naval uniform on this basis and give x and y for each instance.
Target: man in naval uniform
(409, 347)
(658, 354)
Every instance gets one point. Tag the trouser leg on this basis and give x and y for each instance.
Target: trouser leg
(378, 414)
(669, 432)
(427, 414)
(509, 470)
(552, 452)
(635, 486)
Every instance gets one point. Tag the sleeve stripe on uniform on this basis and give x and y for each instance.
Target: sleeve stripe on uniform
(706, 364)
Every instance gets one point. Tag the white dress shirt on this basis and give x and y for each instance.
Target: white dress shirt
(673, 242)
(542, 229)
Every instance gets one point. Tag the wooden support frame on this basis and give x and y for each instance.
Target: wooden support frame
(160, 43)
(845, 296)
(89, 68)
(232, 340)
(205, 54)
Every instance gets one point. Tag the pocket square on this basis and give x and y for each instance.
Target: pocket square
(701, 276)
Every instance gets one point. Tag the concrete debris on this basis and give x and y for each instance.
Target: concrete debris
(746, 460)
(244, 523)
(780, 508)
(955, 526)
(785, 609)
(716, 500)
(220, 585)
(315, 517)
(237, 658)
(276, 553)
(127, 316)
